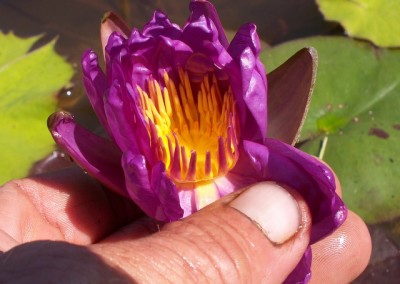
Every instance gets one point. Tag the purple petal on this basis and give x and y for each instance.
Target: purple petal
(251, 90)
(313, 180)
(140, 48)
(168, 55)
(115, 50)
(120, 118)
(199, 64)
(160, 25)
(170, 209)
(199, 9)
(140, 70)
(95, 84)
(187, 202)
(228, 184)
(204, 34)
(276, 161)
(118, 71)
(139, 124)
(156, 55)
(156, 195)
(135, 67)
(245, 37)
(253, 160)
(249, 169)
(302, 273)
(138, 43)
(98, 156)
(138, 182)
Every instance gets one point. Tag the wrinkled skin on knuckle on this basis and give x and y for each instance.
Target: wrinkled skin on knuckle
(217, 248)
(201, 249)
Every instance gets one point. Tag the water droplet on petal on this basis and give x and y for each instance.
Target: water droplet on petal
(340, 215)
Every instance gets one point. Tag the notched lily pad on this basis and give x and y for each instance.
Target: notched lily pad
(27, 87)
(356, 104)
(374, 20)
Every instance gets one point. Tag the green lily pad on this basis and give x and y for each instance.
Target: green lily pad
(355, 104)
(374, 20)
(28, 85)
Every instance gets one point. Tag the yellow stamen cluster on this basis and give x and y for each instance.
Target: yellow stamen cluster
(195, 135)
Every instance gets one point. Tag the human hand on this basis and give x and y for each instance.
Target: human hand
(64, 227)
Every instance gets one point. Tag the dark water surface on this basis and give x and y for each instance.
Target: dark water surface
(76, 23)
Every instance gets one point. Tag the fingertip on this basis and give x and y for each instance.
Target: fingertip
(272, 208)
(258, 235)
(342, 256)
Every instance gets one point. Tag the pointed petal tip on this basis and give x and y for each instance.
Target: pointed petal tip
(90, 63)
(60, 116)
(314, 58)
(207, 9)
(114, 22)
(106, 16)
(88, 52)
(313, 52)
(110, 23)
(98, 156)
(246, 36)
(290, 101)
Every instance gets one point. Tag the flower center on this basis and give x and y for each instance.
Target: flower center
(195, 135)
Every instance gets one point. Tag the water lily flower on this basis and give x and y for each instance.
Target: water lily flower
(185, 113)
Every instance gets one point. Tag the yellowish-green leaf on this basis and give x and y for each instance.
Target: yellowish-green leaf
(374, 20)
(14, 47)
(28, 84)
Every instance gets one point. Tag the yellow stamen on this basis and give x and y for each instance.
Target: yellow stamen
(195, 135)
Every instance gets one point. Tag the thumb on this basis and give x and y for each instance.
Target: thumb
(256, 236)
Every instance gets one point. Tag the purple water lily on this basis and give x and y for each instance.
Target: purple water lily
(185, 112)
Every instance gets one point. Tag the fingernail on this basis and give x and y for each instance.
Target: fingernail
(271, 207)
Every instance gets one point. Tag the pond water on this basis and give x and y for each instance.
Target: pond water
(76, 24)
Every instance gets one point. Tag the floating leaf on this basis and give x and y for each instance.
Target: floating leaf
(28, 85)
(374, 20)
(356, 104)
